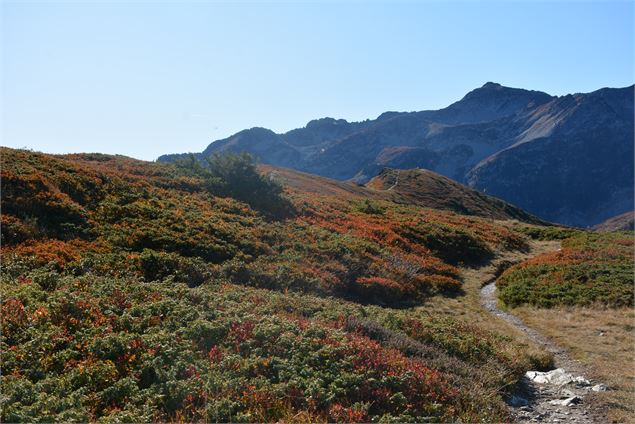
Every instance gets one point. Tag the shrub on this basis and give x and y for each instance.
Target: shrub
(546, 233)
(591, 268)
(453, 245)
(159, 266)
(369, 207)
(236, 175)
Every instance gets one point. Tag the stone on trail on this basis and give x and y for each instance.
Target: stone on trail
(573, 400)
(517, 401)
(558, 377)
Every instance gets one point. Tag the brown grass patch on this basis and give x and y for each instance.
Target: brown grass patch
(602, 340)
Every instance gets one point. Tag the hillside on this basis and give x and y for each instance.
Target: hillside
(415, 187)
(623, 222)
(581, 297)
(429, 189)
(137, 291)
(590, 268)
(507, 142)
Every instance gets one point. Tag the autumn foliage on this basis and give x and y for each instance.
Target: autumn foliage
(64, 209)
(145, 292)
(590, 269)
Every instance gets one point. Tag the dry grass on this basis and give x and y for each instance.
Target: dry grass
(414, 187)
(469, 307)
(603, 341)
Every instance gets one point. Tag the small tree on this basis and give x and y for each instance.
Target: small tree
(235, 175)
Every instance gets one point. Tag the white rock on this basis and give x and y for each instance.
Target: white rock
(599, 388)
(567, 393)
(558, 377)
(581, 381)
(573, 400)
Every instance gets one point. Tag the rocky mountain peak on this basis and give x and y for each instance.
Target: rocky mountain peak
(567, 159)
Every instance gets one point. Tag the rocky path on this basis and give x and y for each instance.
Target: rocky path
(554, 396)
(396, 182)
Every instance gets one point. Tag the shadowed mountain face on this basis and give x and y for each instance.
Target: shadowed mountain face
(623, 222)
(566, 159)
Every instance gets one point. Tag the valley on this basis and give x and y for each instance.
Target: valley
(319, 211)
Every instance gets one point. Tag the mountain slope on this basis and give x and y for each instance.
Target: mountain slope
(623, 222)
(507, 142)
(574, 164)
(141, 292)
(412, 187)
(429, 189)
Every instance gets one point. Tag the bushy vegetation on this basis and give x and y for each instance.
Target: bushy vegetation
(591, 268)
(95, 203)
(545, 233)
(235, 175)
(136, 291)
(426, 188)
(87, 347)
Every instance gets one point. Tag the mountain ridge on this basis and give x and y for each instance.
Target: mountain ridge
(507, 142)
(419, 187)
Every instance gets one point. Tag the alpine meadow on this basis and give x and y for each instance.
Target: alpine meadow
(446, 250)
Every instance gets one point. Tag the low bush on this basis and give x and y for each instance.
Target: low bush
(91, 347)
(235, 175)
(591, 268)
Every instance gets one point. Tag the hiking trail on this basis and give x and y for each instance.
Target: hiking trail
(554, 396)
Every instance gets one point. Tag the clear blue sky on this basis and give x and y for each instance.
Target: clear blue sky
(146, 78)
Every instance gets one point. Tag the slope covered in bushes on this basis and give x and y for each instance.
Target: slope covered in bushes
(591, 268)
(427, 188)
(136, 291)
(83, 347)
(67, 208)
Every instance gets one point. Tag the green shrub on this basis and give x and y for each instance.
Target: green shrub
(236, 175)
(453, 245)
(160, 265)
(591, 268)
(369, 207)
(545, 233)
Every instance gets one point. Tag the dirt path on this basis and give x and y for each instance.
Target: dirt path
(396, 182)
(543, 402)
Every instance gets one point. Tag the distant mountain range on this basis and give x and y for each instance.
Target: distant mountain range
(566, 159)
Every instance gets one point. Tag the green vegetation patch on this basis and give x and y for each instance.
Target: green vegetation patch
(89, 347)
(591, 268)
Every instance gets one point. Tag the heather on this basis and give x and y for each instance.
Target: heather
(62, 208)
(79, 347)
(135, 292)
(590, 269)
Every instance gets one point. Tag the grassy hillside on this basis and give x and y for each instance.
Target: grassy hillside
(582, 297)
(135, 291)
(142, 214)
(429, 189)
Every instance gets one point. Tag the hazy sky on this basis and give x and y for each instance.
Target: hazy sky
(146, 78)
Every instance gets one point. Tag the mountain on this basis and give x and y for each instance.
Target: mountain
(623, 222)
(566, 159)
(429, 189)
(146, 291)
